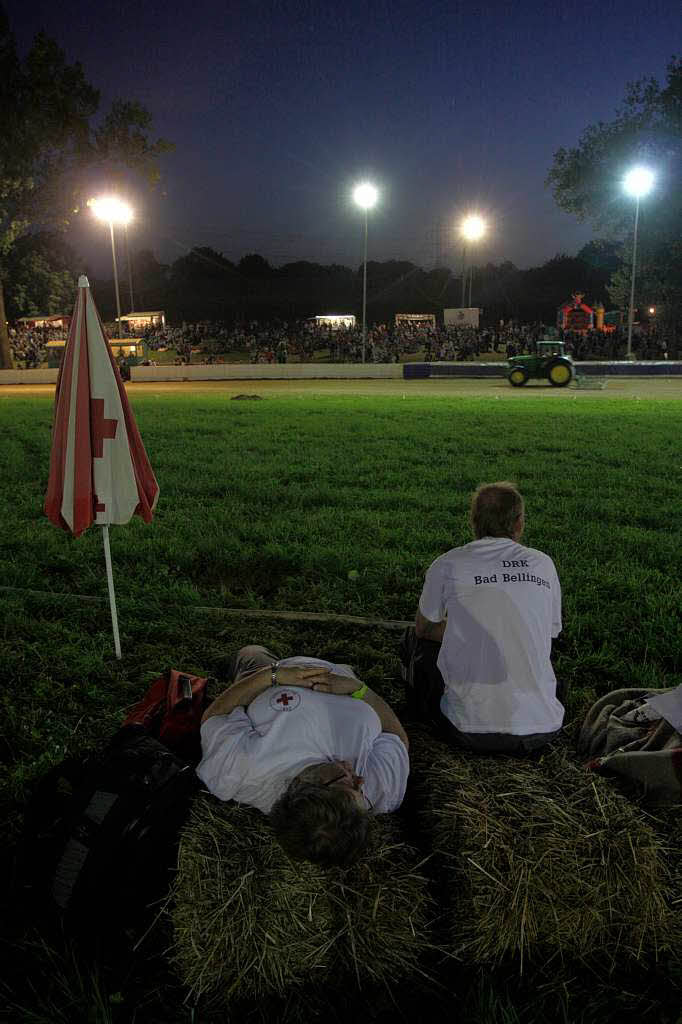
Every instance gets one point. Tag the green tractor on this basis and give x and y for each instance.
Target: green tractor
(550, 362)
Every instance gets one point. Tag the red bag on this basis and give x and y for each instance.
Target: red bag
(171, 711)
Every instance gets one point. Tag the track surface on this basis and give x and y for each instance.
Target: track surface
(631, 387)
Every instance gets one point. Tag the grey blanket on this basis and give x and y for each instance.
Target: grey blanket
(621, 735)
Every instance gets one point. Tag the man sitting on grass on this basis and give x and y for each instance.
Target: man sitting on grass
(308, 743)
(477, 663)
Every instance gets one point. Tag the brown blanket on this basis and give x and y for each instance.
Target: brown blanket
(620, 737)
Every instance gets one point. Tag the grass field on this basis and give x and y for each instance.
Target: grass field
(321, 502)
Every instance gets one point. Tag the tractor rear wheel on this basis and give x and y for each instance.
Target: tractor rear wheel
(517, 376)
(559, 373)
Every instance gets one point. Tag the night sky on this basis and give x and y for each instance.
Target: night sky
(277, 109)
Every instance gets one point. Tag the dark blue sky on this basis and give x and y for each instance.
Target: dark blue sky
(277, 109)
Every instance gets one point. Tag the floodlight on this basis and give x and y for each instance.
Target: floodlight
(365, 195)
(114, 211)
(111, 209)
(473, 228)
(638, 182)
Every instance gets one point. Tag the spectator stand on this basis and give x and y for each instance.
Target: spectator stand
(138, 323)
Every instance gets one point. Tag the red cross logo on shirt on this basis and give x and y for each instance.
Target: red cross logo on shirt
(288, 700)
(101, 428)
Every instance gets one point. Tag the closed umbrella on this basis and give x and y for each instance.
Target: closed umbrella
(99, 470)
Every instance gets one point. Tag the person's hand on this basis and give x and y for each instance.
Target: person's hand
(340, 685)
(302, 675)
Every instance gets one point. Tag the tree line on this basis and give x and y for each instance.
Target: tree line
(205, 285)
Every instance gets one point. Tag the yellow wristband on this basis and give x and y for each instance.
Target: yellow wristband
(359, 694)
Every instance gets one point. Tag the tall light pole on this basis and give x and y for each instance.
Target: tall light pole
(365, 196)
(113, 211)
(637, 183)
(472, 229)
(130, 269)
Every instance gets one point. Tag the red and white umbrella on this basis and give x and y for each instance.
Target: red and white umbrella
(99, 470)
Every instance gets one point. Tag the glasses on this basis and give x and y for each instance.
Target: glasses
(340, 778)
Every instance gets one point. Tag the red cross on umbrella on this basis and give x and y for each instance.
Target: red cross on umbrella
(101, 428)
(99, 470)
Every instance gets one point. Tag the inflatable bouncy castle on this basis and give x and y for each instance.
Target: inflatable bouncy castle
(575, 315)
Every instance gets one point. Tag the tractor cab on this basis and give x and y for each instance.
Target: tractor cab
(549, 362)
(551, 347)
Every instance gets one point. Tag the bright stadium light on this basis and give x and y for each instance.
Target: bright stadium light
(365, 196)
(637, 183)
(114, 211)
(111, 209)
(472, 229)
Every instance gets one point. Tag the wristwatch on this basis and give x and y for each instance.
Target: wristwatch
(273, 674)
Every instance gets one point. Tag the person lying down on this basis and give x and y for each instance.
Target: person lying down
(308, 743)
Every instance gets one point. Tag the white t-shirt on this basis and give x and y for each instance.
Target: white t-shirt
(252, 754)
(503, 606)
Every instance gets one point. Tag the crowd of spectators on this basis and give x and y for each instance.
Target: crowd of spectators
(304, 341)
(28, 344)
(205, 336)
(651, 343)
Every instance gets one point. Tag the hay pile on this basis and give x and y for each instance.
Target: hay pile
(248, 922)
(669, 824)
(541, 858)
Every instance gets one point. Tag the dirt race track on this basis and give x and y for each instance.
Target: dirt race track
(630, 387)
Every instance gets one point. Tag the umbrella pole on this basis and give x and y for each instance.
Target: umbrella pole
(112, 595)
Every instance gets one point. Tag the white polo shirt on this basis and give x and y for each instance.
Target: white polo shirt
(252, 754)
(503, 606)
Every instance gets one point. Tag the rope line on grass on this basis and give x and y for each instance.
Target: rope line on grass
(249, 613)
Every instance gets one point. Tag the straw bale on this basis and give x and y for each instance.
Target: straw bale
(565, 990)
(541, 858)
(669, 824)
(248, 922)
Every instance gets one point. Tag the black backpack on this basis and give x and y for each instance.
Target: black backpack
(101, 832)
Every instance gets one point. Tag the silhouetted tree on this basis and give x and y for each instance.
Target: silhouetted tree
(40, 275)
(203, 285)
(49, 144)
(586, 180)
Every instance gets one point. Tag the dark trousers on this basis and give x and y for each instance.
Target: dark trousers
(424, 688)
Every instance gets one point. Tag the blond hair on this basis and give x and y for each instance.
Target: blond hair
(495, 509)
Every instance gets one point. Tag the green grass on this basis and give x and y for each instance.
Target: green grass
(271, 504)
